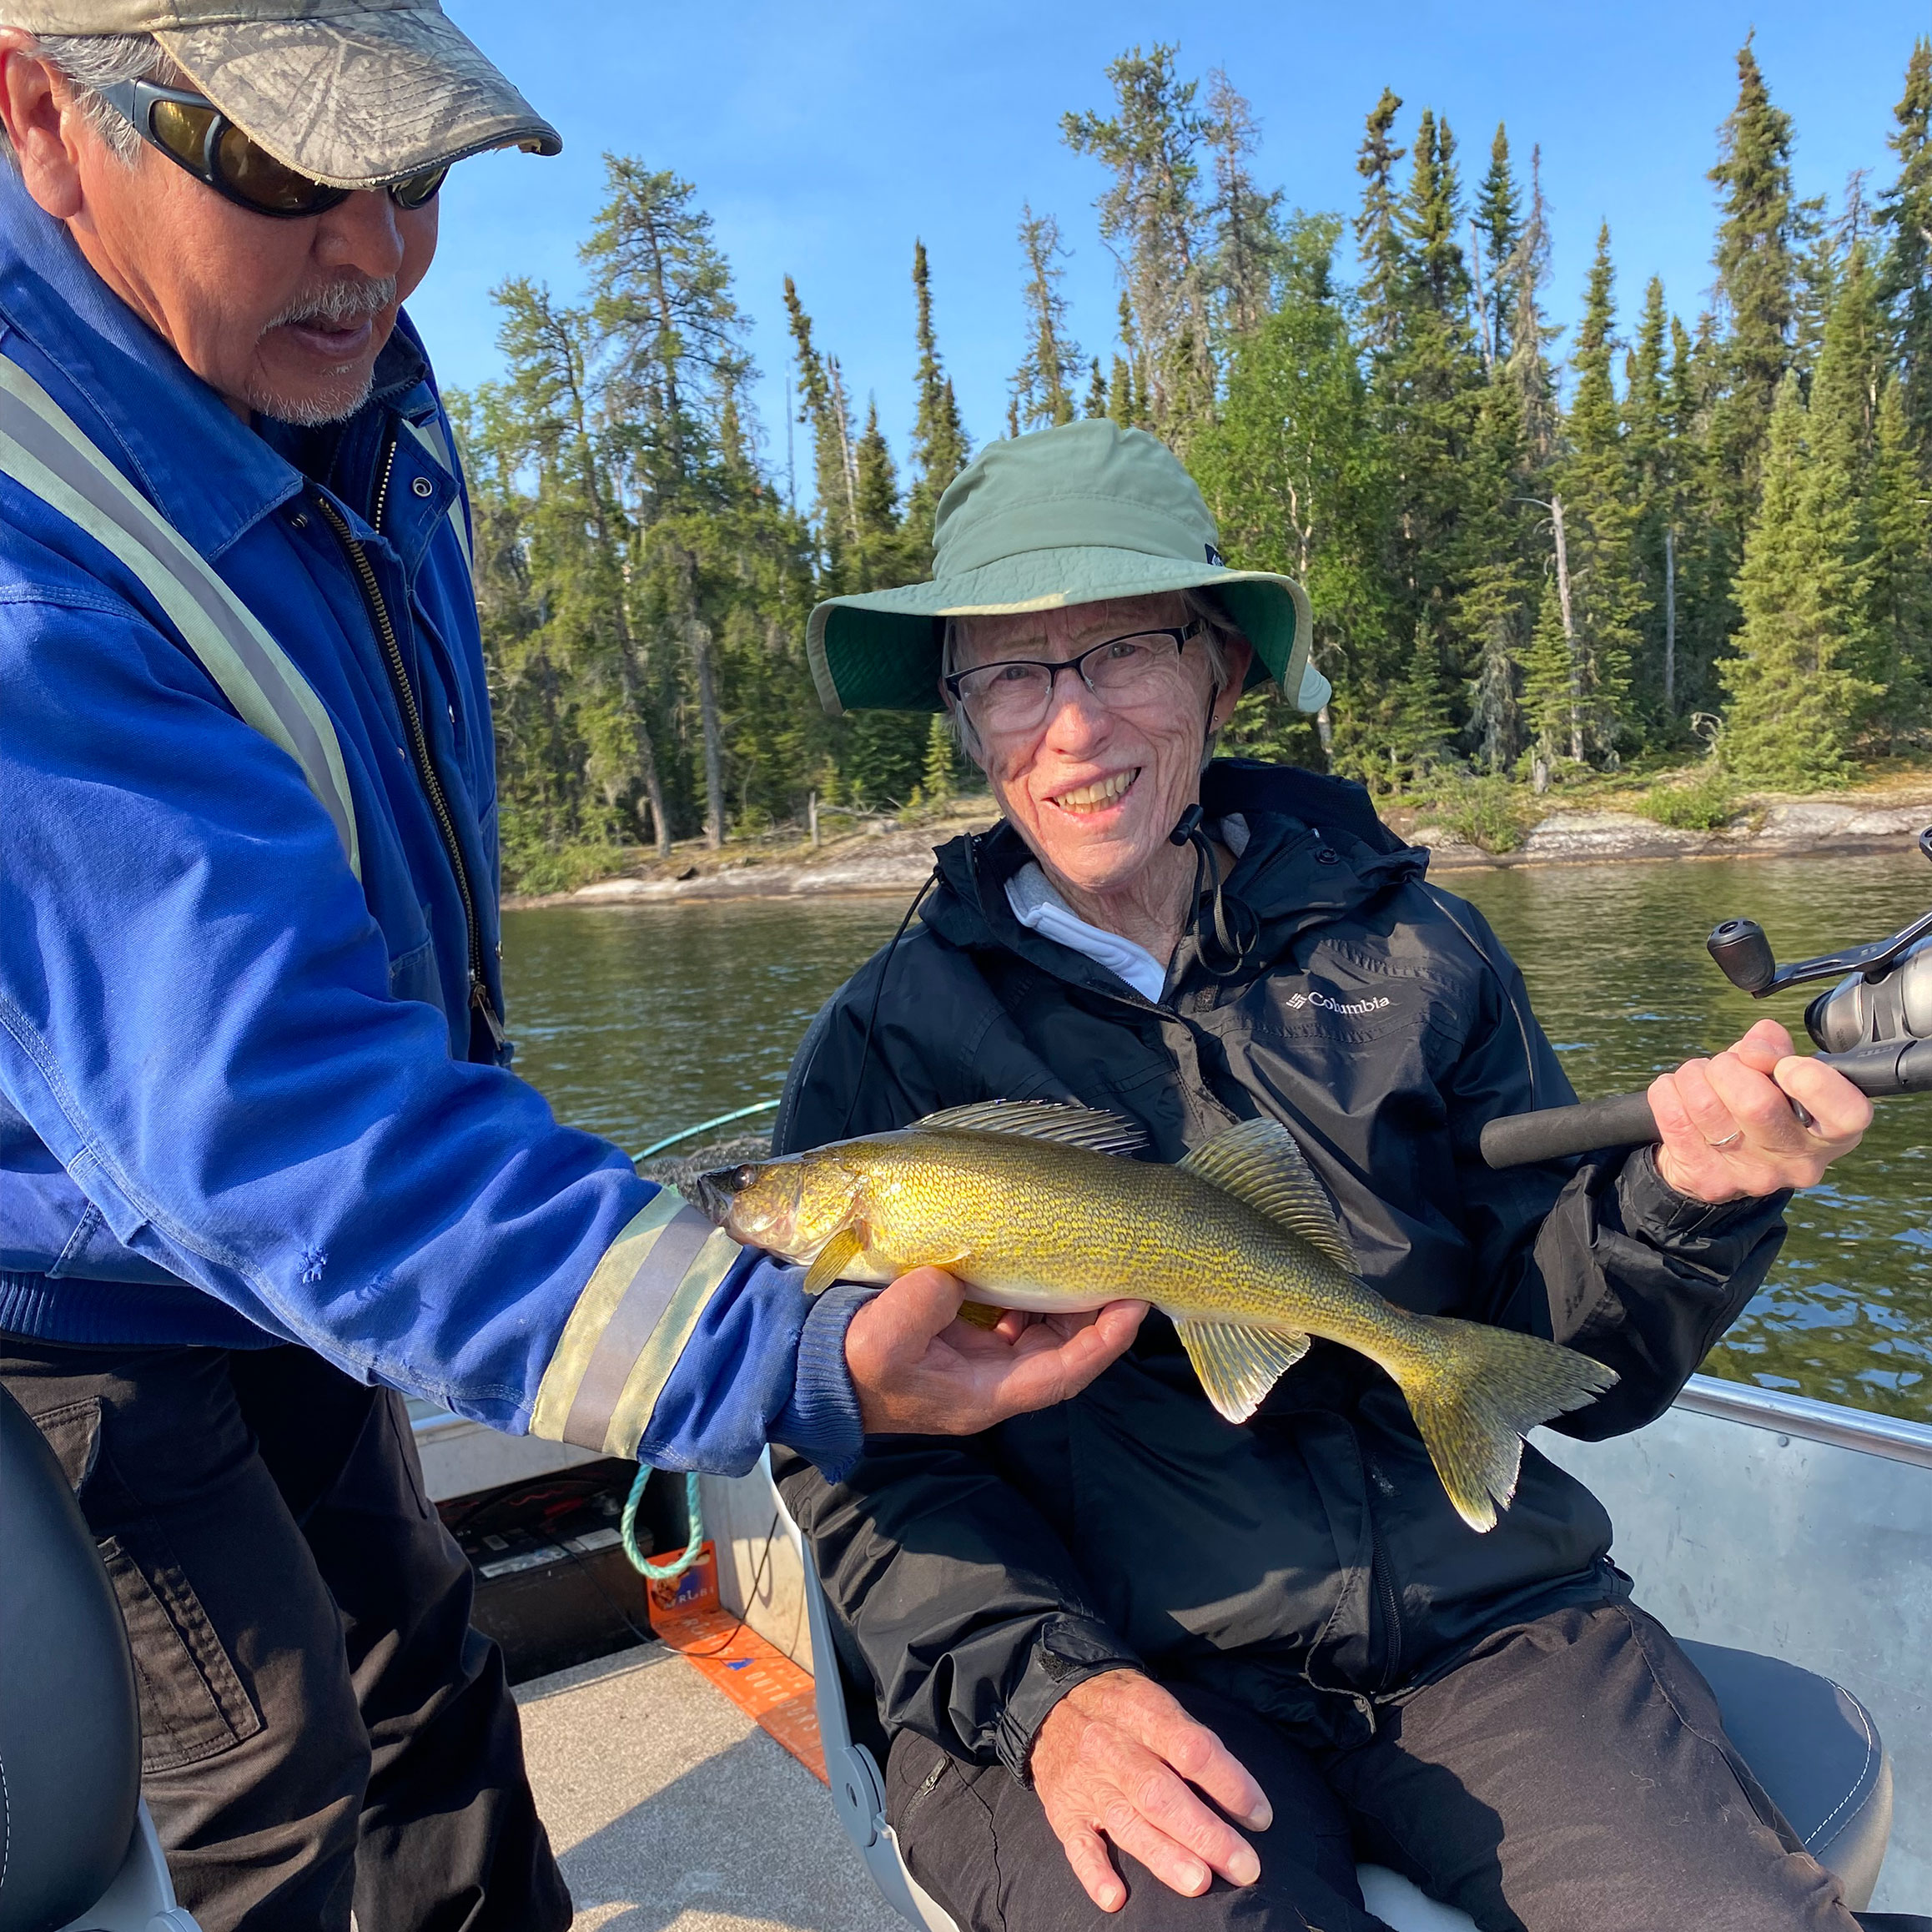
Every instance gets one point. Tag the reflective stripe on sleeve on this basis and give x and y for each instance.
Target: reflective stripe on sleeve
(45, 451)
(630, 1326)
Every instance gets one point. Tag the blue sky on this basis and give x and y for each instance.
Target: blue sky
(823, 138)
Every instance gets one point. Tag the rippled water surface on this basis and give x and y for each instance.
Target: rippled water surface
(639, 1021)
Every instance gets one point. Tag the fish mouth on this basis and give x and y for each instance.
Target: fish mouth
(714, 1195)
(1097, 795)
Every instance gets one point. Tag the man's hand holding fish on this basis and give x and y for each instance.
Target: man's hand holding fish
(920, 1370)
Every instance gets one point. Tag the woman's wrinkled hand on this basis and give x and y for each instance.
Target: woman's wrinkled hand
(1726, 1124)
(1118, 1758)
(918, 1370)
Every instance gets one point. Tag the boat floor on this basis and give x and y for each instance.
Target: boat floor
(672, 1812)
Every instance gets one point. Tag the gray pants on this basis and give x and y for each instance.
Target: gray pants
(1571, 1775)
(321, 1728)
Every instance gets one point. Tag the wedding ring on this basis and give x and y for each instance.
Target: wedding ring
(1727, 1140)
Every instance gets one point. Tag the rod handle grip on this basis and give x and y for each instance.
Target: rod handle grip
(1518, 1139)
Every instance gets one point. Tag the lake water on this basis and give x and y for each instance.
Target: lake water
(636, 1022)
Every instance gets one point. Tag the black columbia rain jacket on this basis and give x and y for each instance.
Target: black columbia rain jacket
(1307, 1563)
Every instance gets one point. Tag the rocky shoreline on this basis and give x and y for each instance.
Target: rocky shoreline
(898, 860)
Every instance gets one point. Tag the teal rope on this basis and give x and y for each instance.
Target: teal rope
(691, 1132)
(627, 1528)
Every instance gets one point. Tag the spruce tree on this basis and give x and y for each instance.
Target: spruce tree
(672, 363)
(1378, 236)
(1497, 572)
(1650, 456)
(1427, 385)
(1869, 466)
(1423, 725)
(1043, 386)
(575, 540)
(1527, 368)
(1549, 706)
(1605, 591)
(1154, 220)
(1246, 223)
(824, 410)
(1096, 390)
(1756, 275)
(1900, 573)
(1795, 706)
(1499, 229)
(1905, 210)
(1127, 400)
(939, 445)
(940, 777)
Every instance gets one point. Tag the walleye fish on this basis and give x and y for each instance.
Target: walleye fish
(1032, 1206)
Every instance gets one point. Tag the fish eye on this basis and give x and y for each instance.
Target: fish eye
(743, 1177)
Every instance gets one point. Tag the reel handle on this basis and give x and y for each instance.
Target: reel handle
(1743, 955)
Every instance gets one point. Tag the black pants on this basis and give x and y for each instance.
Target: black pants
(1572, 1775)
(320, 1727)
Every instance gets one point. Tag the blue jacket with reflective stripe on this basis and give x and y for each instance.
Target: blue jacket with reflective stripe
(244, 1097)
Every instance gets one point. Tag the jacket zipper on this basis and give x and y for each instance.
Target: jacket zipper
(432, 785)
(382, 486)
(1392, 1604)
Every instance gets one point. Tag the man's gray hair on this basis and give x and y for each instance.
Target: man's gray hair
(88, 62)
(1202, 605)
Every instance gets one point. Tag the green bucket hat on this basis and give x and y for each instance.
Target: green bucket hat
(1068, 515)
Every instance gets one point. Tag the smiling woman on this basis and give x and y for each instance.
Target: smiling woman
(1170, 1590)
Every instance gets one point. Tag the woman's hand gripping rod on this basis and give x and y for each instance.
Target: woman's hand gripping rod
(1885, 1068)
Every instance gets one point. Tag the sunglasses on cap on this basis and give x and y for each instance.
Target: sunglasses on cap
(195, 134)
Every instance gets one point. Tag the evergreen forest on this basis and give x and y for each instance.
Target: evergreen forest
(1692, 543)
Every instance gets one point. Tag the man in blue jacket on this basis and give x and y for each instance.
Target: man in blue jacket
(261, 1160)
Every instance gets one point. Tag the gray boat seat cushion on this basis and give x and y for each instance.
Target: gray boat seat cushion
(70, 1740)
(1816, 1751)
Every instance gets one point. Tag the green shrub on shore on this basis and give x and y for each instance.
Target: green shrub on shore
(1487, 812)
(1709, 802)
(534, 867)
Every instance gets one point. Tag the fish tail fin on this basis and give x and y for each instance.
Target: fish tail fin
(1476, 1391)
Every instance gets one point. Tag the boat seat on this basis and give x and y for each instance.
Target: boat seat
(1815, 1749)
(77, 1847)
(1812, 1745)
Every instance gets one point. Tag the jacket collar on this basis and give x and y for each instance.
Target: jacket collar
(1294, 874)
(211, 475)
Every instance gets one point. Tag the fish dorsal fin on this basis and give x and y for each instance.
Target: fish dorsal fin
(1238, 1365)
(1069, 1126)
(1258, 1162)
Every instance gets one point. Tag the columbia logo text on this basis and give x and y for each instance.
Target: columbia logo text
(1348, 1006)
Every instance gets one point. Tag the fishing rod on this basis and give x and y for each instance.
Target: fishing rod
(1875, 1027)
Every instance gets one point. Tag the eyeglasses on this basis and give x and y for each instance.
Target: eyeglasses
(1017, 694)
(194, 133)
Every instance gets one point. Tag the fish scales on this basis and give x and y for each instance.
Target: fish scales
(1062, 1228)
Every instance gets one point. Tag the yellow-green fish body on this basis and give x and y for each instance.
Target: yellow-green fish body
(1032, 1207)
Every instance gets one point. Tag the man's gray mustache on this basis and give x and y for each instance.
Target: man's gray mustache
(340, 303)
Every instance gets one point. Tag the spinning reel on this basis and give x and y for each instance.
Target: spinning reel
(1875, 1026)
(1884, 991)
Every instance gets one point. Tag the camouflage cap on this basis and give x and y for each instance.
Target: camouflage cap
(352, 92)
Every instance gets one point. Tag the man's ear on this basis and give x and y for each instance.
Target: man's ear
(42, 122)
(1239, 654)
